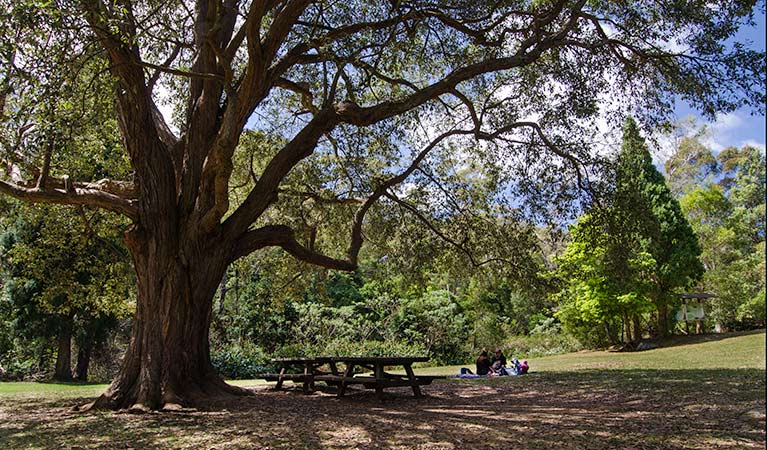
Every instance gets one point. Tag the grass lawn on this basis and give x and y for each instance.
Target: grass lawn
(694, 392)
(715, 351)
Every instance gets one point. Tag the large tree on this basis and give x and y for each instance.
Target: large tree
(366, 101)
(650, 220)
(629, 254)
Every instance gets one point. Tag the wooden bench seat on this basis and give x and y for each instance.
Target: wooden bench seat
(372, 382)
(296, 377)
(337, 379)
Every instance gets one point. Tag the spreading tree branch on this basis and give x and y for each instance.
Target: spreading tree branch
(71, 195)
(458, 245)
(283, 236)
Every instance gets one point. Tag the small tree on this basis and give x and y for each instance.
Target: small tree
(63, 280)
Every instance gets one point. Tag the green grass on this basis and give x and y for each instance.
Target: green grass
(57, 390)
(730, 351)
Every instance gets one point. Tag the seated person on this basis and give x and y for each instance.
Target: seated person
(499, 356)
(483, 364)
(497, 369)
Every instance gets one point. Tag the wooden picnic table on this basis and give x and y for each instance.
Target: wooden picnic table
(310, 368)
(379, 380)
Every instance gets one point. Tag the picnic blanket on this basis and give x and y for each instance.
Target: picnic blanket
(517, 368)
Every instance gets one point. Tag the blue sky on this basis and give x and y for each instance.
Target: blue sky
(739, 127)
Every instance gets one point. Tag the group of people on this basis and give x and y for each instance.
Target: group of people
(496, 365)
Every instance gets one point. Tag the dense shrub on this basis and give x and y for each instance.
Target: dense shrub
(753, 311)
(241, 361)
(342, 347)
(380, 324)
(546, 338)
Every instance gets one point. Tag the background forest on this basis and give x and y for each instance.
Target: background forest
(447, 285)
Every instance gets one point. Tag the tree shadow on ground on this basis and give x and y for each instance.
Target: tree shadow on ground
(631, 409)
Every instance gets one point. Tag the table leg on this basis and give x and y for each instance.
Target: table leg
(347, 374)
(279, 379)
(413, 381)
(380, 377)
(308, 384)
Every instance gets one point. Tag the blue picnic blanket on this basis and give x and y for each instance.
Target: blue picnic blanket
(515, 369)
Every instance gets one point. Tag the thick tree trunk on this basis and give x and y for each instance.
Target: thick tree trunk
(84, 360)
(64, 355)
(167, 364)
(662, 319)
(637, 328)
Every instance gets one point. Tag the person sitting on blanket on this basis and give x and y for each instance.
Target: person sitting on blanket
(499, 356)
(497, 369)
(483, 364)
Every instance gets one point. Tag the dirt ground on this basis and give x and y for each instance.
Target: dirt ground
(600, 409)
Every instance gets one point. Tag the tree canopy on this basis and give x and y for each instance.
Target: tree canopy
(313, 76)
(728, 216)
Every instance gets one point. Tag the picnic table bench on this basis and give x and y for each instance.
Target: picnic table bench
(378, 380)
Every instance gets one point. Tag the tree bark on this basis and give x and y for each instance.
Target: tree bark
(167, 364)
(84, 359)
(64, 355)
(84, 351)
(637, 328)
(626, 329)
(662, 319)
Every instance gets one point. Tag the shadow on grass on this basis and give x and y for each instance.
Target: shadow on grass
(72, 383)
(672, 409)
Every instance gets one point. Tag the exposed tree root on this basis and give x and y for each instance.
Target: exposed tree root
(190, 397)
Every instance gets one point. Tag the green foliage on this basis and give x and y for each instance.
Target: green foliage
(629, 256)
(538, 345)
(241, 361)
(342, 347)
(691, 165)
(58, 274)
(753, 310)
(729, 220)
(431, 323)
(343, 289)
(435, 321)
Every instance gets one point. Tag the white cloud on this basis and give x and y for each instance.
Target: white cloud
(727, 130)
(754, 143)
(735, 129)
(729, 121)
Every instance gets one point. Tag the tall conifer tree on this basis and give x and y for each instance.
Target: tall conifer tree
(630, 255)
(650, 217)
